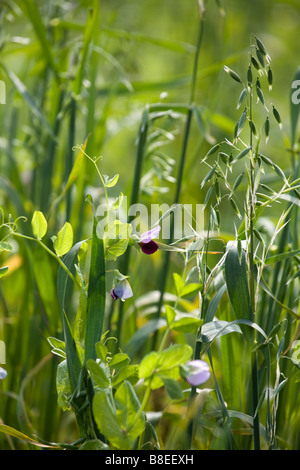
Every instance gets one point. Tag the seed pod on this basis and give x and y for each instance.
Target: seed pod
(235, 208)
(258, 83)
(261, 47)
(260, 58)
(255, 63)
(217, 190)
(241, 122)
(233, 74)
(207, 196)
(224, 157)
(267, 160)
(267, 129)
(270, 78)
(237, 181)
(249, 75)
(208, 176)
(242, 154)
(214, 216)
(217, 212)
(211, 151)
(235, 132)
(252, 127)
(277, 116)
(242, 97)
(258, 235)
(267, 188)
(260, 95)
(279, 172)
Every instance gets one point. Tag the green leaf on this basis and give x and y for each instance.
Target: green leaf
(111, 182)
(185, 290)
(115, 205)
(237, 282)
(58, 346)
(165, 363)
(31, 9)
(4, 428)
(94, 444)
(281, 256)
(63, 386)
(118, 361)
(39, 224)
(106, 419)
(77, 167)
(73, 360)
(189, 290)
(91, 28)
(128, 406)
(116, 239)
(4, 246)
(179, 284)
(170, 314)
(22, 90)
(3, 271)
(96, 296)
(139, 338)
(214, 329)
(119, 421)
(64, 240)
(101, 351)
(128, 372)
(99, 372)
(212, 308)
(173, 388)
(186, 323)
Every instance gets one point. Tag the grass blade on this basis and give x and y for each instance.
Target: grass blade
(73, 361)
(96, 296)
(237, 283)
(31, 9)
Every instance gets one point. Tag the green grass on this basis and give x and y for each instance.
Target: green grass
(93, 91)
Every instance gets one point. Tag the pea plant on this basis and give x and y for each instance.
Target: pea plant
(209, 364)
(95, 381)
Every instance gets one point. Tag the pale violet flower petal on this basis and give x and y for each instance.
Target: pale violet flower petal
(3, 373)
(146, 237)
(122, 291)
(198, 372)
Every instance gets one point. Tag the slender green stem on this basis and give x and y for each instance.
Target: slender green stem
(251, 255)
(94, 161)
(58, 259)
(142, 140)
(165, 269)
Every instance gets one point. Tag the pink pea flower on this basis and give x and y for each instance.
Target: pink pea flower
(147, 244)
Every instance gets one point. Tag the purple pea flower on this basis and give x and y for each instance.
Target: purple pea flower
(196, 372)
(121, 291)
(147, 244)
(3, 373)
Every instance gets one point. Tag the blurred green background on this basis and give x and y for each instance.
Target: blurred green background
(55, 96)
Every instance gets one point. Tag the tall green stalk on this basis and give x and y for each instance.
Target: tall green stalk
(251, 255)
(141, 147)
(165, 269)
